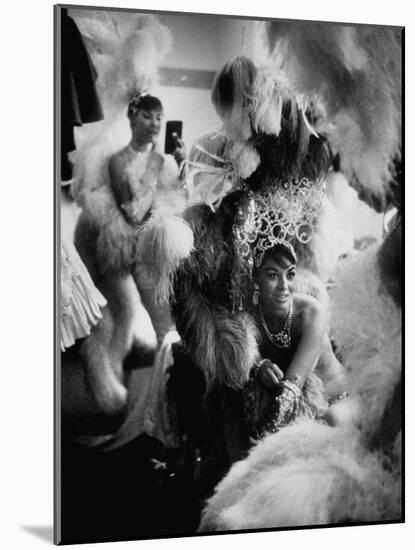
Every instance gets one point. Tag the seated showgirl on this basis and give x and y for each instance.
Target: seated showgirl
(298, 373)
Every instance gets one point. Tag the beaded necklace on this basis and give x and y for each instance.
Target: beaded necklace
(281, 339)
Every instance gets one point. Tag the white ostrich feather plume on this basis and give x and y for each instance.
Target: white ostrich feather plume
(353, 77)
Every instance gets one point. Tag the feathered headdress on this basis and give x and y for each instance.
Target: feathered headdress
(248, 98)
(352, 77)
(126, 50)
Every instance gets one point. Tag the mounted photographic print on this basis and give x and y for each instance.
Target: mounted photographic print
(229, 201)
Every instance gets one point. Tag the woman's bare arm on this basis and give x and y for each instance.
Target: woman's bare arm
(313, 326)
(121, 187)
(119, 183)
(330, 370)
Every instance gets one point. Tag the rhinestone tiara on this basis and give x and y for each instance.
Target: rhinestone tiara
(286, 213)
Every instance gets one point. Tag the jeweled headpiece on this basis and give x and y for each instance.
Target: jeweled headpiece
(284, 214)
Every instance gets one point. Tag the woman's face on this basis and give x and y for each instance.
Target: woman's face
(146, 125)
(275, 280)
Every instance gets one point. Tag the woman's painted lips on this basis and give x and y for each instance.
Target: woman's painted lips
(281, 297)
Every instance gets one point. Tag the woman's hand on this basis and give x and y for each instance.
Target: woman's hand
(270, 374)
(180, 152)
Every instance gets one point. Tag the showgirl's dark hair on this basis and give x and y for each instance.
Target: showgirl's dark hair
(280, 250)
(141, 101)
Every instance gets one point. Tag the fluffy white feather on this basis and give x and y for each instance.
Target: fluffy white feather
(353, 76)
(306, 474)
(163, 241)
(268, 100)
(366, 328)
(126, 51)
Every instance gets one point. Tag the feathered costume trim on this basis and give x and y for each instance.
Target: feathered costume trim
(306, 474)
(116, 238)
(163, 242)
(352, 76)
(268, 101)
(213, 174)
(223, 345)
(367, 331)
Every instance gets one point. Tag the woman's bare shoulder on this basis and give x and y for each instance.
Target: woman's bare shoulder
(118, 160)
(118, 164)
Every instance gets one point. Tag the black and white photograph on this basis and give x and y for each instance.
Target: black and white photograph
(229, 218)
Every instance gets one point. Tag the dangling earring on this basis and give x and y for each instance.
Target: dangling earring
(255, 295)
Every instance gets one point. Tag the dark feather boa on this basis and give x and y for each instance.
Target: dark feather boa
(223, 345)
